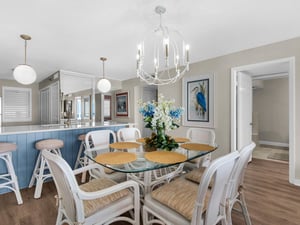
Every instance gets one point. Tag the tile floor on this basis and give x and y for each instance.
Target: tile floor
(263, 151)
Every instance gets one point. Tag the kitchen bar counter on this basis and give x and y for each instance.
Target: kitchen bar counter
(25, 137)
(55, 127)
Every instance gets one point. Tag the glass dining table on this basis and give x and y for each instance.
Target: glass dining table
(129, 157)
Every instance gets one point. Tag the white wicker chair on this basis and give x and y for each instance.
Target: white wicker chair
(97, 142)
(182, 202)
(100, 201)
(236, 194)
(129, 134)
(203, 136)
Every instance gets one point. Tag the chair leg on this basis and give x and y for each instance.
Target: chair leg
(60, 216)
(14, 179)
(228, 213)
(83, 175)
(149, 217)
(244, 209)
(206, 160)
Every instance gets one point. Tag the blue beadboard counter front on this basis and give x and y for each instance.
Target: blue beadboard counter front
(25, 137)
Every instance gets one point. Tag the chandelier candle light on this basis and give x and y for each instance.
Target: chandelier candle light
(103, 84)
(23, 73)
(170, 55)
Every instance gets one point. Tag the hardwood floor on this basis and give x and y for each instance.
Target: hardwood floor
(271, 200)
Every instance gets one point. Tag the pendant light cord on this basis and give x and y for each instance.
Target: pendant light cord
(103, 69)
(103, 59)
(25, 52)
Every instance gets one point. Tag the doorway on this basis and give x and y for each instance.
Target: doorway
(266, 70)
(270, 117)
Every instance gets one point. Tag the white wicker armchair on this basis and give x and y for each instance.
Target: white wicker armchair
(100, 201)
(182, 202)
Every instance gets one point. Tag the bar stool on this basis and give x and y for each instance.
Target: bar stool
(10, 178)
(41, 171)
(81, 160)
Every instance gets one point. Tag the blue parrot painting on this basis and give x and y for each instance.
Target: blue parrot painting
(199, 99)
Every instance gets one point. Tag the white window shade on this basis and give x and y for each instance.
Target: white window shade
(17, 105)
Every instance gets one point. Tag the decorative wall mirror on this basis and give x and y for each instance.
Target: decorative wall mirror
(80, 90)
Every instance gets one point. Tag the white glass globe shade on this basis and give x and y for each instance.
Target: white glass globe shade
(24, 74)
(103, 85)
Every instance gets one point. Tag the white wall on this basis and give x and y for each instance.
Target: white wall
(271, 104)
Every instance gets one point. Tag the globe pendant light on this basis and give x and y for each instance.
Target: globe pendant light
(162, 57)
(23, 73)
(103, 84)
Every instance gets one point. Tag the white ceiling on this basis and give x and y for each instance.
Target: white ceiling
(73, 34)
(267, 70)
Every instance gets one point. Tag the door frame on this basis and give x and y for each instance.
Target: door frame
(291, 77)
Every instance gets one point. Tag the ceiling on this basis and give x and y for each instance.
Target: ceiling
(73, 35)
(270, 70)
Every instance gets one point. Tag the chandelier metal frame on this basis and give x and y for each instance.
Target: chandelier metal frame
(170, 55)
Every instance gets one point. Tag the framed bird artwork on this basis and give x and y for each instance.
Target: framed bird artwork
(198, 100)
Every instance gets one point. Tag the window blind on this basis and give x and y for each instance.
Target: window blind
(17, 105)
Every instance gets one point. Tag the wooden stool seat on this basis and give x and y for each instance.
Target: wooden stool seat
(7, 147)
(41, 171)
(49, 144)
(9, 179)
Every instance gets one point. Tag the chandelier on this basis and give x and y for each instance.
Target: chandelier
(103, 84)
(23, 73)
(167, 60)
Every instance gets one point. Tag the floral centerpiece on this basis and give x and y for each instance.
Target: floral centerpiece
(161, 116)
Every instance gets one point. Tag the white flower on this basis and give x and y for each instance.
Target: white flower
(161, 114)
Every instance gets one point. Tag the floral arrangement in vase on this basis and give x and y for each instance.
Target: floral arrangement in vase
(161, 116)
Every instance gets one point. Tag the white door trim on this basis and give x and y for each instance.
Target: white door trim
(291, 76)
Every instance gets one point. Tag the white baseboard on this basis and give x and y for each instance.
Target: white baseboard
(279, 144)
(295, 182)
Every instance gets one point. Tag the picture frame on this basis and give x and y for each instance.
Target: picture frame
(122, 104)
(198, 100)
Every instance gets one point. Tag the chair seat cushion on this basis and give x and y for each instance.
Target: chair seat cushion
(196, 174)
(92, 206)
(179, 195)
(108, 171)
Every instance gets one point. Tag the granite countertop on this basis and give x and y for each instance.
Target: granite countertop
(55, 127)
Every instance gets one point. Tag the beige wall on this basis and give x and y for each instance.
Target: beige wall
(35, 101)
(271, 104)
(221, 67)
